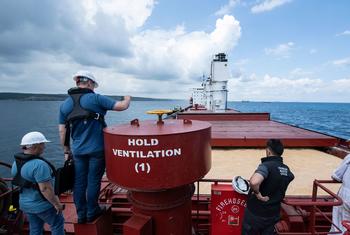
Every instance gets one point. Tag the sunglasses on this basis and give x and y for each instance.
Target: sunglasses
(84, 79)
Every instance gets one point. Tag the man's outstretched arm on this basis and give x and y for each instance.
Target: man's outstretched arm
(122, 105)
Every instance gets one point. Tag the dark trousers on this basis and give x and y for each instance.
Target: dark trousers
(258, 225)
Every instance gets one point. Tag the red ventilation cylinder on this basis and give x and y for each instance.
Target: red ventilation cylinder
(169, 209)
(158, 162)
(151, 156)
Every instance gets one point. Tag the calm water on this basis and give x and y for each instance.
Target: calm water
(20, 117)
(329, 118)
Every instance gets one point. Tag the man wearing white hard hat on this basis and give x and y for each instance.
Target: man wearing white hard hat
(35, 176)
(81, 118)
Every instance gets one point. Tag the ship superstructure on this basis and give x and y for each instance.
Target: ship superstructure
(213, 93)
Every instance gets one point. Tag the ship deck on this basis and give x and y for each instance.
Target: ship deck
(306, 164)
(234, 129)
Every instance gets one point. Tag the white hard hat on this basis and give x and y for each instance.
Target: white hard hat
(85, 74)
(240, 185)
(34, 137)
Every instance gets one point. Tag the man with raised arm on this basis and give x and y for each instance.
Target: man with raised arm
(81, 118)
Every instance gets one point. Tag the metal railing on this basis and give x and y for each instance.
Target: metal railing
(314, 204)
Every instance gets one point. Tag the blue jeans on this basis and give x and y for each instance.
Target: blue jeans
(50, 216)
(89, 169)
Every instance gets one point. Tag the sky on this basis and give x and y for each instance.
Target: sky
(278, 50)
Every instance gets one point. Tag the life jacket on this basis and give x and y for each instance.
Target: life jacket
(78, 112)
(18, 180)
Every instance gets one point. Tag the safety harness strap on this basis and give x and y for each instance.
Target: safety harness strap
(78, 112)
(21, 159)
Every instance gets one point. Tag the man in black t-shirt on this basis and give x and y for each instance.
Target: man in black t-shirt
(268, 185)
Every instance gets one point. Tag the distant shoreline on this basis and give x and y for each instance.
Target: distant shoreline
(59, 97)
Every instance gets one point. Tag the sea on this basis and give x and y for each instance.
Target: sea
(19, 117)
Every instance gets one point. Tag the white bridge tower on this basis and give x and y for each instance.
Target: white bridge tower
(213, 93)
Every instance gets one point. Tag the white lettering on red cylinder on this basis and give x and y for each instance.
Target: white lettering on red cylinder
(139, 142)
(143, 142)
(154, 142)
(131, 142)
(176, 152)
(142, 167)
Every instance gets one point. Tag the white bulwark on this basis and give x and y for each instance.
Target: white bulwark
(213, 93)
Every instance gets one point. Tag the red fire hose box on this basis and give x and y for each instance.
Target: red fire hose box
(227, 209)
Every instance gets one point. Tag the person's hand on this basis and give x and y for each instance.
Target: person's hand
(127, 97)
(59, 207)
(261, 197)
(67, 156)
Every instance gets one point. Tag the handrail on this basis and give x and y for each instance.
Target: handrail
(5, 164)
(9, 191)
(8, 166)
(293, 202)
(337, 201)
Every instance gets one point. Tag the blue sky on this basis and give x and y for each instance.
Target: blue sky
(278, 50)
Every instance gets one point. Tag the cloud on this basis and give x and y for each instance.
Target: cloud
(342, 62)
(346, 32)
(248, 78)
(341, 85)
(276, 88)
(45, 73)
(239, 68)
(312, 51)
(241, 62)
(178, 54)
(46, 43)
(300, 73)
(41, 49)
(133, 12)
(226, 9)
(268, 5)
(281, 51)
(92, 38)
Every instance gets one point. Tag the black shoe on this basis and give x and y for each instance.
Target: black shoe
(98, 214)
(81, 220)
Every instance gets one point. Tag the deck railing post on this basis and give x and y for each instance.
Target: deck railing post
(197, 206)
(313, 208)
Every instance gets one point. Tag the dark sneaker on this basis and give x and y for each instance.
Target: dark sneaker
(98, 214)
